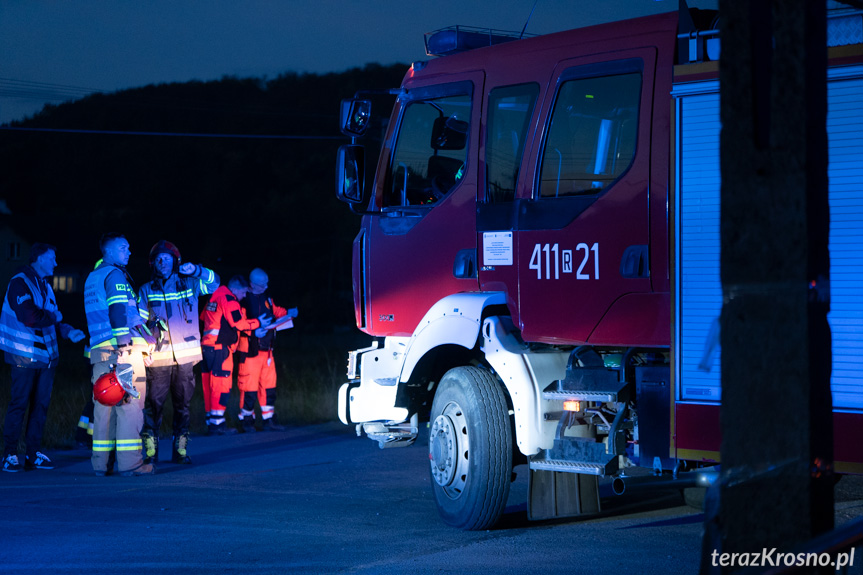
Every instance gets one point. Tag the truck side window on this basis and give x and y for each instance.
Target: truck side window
(591, 140)
(509, 112)
(431, 151)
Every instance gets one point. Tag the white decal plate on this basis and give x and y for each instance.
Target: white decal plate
(497, 248)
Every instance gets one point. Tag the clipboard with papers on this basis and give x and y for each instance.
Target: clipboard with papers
(284, 322)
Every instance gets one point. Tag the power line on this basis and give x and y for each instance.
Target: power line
(174, 134)
(27, 90)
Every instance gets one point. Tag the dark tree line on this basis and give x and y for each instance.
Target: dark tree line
(229, 203)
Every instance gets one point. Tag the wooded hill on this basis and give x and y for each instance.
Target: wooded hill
(230, 203)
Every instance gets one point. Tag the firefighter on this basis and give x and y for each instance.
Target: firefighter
(169, 305)
(29, 325)
(257, 377)
(118, 342)
(223, 318)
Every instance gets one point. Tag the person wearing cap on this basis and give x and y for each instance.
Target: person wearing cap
(169, 306)
(223, 319)
(29, 323)
(257, 372)
(118, 343)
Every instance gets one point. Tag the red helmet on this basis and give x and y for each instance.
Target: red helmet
(165, 247)
(107, 390)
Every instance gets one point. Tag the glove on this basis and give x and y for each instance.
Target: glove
(265, 319)
(261, 332)
(76, 335)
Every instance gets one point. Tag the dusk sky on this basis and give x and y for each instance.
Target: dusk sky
(55, 51)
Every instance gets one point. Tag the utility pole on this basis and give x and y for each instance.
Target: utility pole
(776, 415)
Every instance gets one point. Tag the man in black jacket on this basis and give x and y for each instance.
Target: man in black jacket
(28, 336)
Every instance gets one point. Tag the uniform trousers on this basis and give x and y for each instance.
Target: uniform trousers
(33, 386)
(179, 381)
(257, 377)
(119, 427)
(217, 371)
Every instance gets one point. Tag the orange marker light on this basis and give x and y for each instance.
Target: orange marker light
(572, 405)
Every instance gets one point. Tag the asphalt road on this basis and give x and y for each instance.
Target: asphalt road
(312, 499)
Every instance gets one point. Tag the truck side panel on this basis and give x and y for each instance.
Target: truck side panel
(698, 289)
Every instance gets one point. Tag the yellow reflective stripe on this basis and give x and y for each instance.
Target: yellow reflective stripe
(145, 315)
(171, 296)
(119, 330)
(103, 444)
(129, 444)
(84, 422)
(123, 298)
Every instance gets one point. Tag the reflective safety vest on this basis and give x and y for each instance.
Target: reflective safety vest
(97, 301)
(170, 308)
(39, 345)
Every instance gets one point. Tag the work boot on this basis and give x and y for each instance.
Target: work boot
(151, 447)
(143, 469)
(248, 425)
(220, 429)
(271, 425)
(179, 455)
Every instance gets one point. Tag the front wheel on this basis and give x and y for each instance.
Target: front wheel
(470, 449)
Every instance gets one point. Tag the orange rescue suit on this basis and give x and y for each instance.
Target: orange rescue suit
(257, 368)
(223, 318)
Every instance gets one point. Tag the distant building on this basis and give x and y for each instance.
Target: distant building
(69, 279)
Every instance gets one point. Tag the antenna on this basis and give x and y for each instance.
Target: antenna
(535, 2)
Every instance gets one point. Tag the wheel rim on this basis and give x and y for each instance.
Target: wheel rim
(448, 450)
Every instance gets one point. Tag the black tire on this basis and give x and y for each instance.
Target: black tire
(470, 449)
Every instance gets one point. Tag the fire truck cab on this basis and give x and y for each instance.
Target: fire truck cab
(539, 260)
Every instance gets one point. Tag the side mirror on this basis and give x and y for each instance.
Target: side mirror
(449, 133)
(355, 117)
(350, 174)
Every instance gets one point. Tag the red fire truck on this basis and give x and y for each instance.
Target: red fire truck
(538, 259)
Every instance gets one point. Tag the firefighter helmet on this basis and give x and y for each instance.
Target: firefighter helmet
(165, 247)
(107, 390)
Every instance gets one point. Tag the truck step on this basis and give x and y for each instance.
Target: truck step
(576, 455)
(391, 434)
(588, 385)
(567, 466)
(588, 379)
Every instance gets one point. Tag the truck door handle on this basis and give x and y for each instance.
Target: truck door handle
(465, 264)
(634, 263)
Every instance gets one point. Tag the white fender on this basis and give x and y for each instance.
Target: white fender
(525, 374)
(456, 319)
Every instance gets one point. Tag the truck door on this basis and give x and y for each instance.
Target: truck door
(583, 229)
(422, 246)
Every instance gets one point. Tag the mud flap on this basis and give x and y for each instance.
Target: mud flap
(553, 494)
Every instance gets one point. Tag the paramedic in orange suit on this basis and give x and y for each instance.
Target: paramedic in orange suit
(223, 318)
(257, 376)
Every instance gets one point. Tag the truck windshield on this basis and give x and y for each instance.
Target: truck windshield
(431, 151)
(591, 140)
